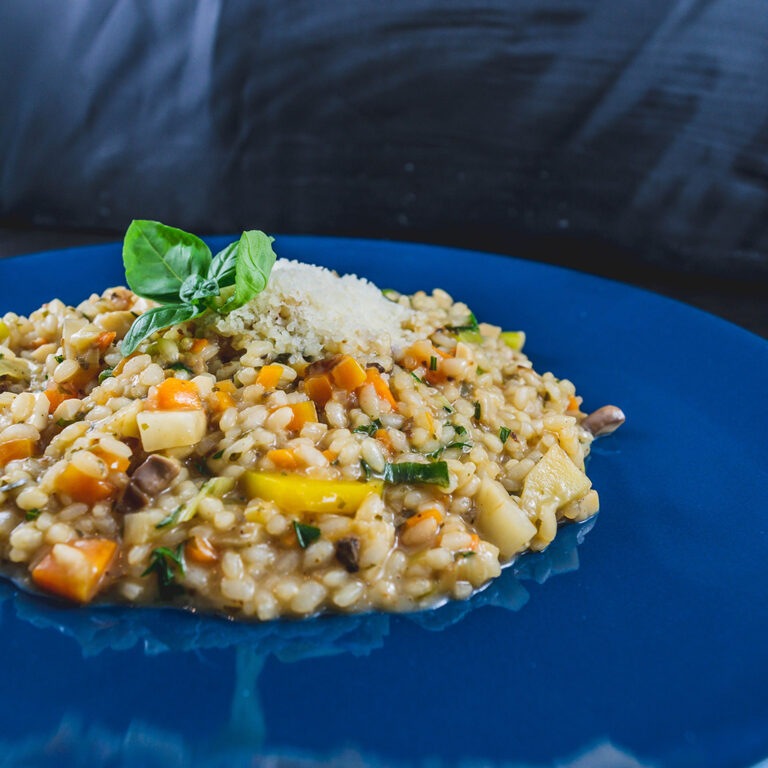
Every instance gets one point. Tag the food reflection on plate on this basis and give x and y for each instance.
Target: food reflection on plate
(157, 630)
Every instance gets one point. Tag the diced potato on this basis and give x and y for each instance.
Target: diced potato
(554, 482)
(170, 429)
(75, 570)
(296, 493)
(501, 521)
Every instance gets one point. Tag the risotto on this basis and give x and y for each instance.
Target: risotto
(266, 438)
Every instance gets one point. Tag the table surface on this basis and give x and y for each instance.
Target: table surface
(741, 302)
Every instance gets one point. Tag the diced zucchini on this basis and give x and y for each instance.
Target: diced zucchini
(216, 486)
(170, 429)
(514, 339)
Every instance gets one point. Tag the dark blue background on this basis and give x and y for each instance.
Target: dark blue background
(580, 131)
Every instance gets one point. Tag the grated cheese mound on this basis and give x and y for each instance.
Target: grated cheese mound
(311, 311)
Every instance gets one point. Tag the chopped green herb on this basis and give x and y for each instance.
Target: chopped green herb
(436, 454)
(10, 486)
(369, 429)
(416, 377)
(179, 367)
(218, 454)
(412, 472)
(66, 422)
(107, 373)
(32, 514)
(167, 564)
(480, 371)
(201, 466)
(306, 534)
(367, 471)
(478, 412)
(468, 553)
(447, 407)
(459, 430)
(432, 363)
(387, 291)
(59, 358)
(504, 433)
(171, 519)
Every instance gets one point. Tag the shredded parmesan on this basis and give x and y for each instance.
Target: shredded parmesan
(310, 311)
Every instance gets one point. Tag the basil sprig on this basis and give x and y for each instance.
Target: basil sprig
(176, 269)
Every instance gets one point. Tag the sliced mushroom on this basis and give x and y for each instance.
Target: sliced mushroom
(348, 553)
(150, 478)
(604, 420)
(133, 499)
(155, 474)
(322, 366)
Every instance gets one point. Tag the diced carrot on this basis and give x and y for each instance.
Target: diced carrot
(383, 437)
(75, 570)
(473, 547)
(198, 345)
(104, 339)
(226, 385)
(573, 403)
(200, 550)
(348, 373)
(330, 455)
(381, 387)
(12, 450)
(175, 395)
(81, 487)
(38, 342)
(319, 388)
(303, 413)
(56, 396)
(114, 461)
(220, 401)
(269, 376)
(283, 458)
(425, 514)
(118, 369)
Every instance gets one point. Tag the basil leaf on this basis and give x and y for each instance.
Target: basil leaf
(158, 259)
(196, 288)
(223, 266)
(255, 259)
(156, 319)
(412, 472)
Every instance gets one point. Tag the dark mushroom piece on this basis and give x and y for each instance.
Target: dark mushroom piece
(604, 420)
(348, 553)
(149, 478)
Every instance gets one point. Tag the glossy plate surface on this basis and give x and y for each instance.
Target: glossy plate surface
(650, 649)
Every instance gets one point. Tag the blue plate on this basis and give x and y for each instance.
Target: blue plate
(650, 651)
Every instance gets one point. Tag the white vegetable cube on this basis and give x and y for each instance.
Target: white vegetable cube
(554, 482)
(170, 429)
(501, 521)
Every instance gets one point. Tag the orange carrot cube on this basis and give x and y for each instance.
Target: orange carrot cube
(75, 570)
